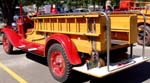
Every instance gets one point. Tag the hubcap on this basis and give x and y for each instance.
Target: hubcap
(57, 63)
(141, 36)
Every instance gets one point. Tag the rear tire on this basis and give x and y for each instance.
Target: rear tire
(7, 46)
(141, 36)
(58, 63)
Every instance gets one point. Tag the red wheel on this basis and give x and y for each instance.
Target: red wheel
(7, 45)
(141, 35)
(58, 63)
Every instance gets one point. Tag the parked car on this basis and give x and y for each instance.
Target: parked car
(81, 10)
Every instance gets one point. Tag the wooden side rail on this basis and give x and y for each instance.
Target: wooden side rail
(124, 28)
(78, 25)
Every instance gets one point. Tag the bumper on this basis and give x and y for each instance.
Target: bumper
(103, 71)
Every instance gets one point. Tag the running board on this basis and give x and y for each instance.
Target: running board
(32, 49)
(22, 46)
(100, 72)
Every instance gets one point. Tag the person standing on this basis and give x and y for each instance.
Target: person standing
(47, 9)
(108, 6)
(54, 9)
(108, 3)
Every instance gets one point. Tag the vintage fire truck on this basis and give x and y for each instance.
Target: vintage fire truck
(94, 43)
(144, 6)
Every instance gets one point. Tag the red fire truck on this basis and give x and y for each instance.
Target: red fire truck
(93, 43)
(143, 6)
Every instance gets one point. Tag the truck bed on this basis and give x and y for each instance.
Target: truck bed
(82, 28)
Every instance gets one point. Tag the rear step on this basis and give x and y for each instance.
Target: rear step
(103, 71)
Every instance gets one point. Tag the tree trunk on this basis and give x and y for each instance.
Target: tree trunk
(7, 8)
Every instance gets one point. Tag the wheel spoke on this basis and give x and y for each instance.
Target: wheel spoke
(141, 35)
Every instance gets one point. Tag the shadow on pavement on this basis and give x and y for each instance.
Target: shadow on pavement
(136, 74)
(17, 52)
(36, 58)
(78, 77)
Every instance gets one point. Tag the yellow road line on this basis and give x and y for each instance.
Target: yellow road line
(13, 74)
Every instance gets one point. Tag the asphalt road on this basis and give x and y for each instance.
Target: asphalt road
(22, 67)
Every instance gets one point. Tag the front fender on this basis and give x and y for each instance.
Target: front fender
(12, 36)
(65, 41)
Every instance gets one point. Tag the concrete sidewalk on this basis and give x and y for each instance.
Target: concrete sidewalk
(1, 26)
(0, 38)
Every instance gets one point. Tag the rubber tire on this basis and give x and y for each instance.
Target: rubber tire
(66, 77)
(5, 40)
(147, 40)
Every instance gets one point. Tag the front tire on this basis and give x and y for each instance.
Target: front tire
(7, 46)
(141, 35)
(58, 63)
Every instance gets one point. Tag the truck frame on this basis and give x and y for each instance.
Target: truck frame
(92, 43)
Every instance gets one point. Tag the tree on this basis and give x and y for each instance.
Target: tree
(7, 8)
(37, 2)
(116, 2)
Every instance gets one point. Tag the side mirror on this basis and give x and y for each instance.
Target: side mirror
(15, 17)
(13, 24)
